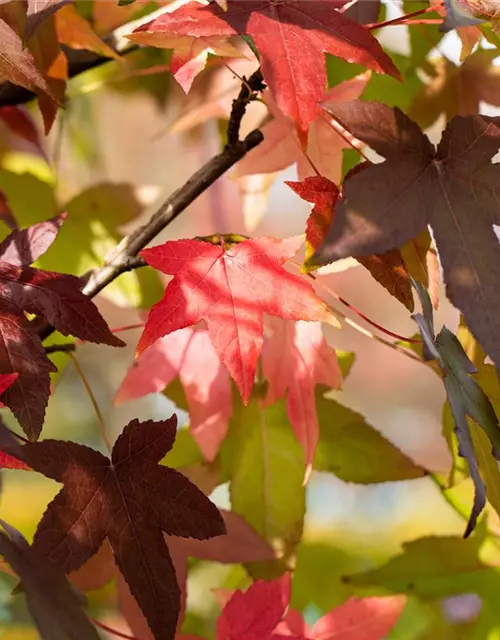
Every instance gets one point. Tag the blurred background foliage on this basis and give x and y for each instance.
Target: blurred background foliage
(114, 153)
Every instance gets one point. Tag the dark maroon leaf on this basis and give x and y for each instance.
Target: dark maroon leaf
(27, 398)
(53, 603)
(5, 212)
(24, 246)
(20, 348)
(58, 298)
(453, 187)
(21, 124)
(130, 500)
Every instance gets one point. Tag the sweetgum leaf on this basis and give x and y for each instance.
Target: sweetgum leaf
(295, 358)
(465, 396)
(259, 452)
(452, 187)
(17, 64)
(360, 619)
(230, 290)
(185, 353)
(24, 246)
(433, 567)
(128, 500)
(291, 37)
(58, 298)
(27, 398)
(255, 613)
(387, 269)
(54, 605)
(353, 450)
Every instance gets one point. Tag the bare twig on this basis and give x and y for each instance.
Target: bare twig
(249, 90)
(125, 256)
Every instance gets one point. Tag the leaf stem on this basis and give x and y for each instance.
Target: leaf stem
(402, 19)
(93, 400)
(115, 632)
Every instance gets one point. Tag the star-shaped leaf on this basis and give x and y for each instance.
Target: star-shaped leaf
(56, 607)
(128, 500)
(291, 36)
(466, 398)
(185, 353)
(453, 187)
(295, 359)
(230, 290)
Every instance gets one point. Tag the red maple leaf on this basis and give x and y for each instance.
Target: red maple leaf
(230, 290)
(11, 453)
(324, 195)
(283, 145)
(190, 55)
(388, 268)
(185, 353)
(253, 615)
(240, 544)
(357, 619)
(294, 360)
(291, 36)
(128, 500)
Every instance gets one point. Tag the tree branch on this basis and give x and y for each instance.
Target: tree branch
(125, 257)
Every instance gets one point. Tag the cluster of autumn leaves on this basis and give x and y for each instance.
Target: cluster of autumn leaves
(140, 519)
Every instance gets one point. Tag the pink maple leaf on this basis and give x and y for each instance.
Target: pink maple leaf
(294, 360)
(190, 54)
(190, 355)
(230, 290)
(283, 145)
(253, 615)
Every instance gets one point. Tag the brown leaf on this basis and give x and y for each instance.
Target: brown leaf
(57, 297)
(17, 64)
(54, 606)
(128, 500)
(458, 90)
(75, 32)
(388, 269)
(453, 187)
(422, 264)
(20, 348)
(24, 246)
(27, 398)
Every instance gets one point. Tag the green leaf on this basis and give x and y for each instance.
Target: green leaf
(30, 198)
(184, 452)
(175, 392)
(433, 567)
(353, 450)
(317, 577)
(346, 360)
(423, 37)
(265, 466)
(91, 231)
